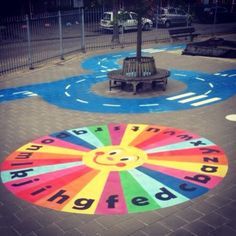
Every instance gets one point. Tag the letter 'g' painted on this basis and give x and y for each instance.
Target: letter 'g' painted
(83, 203)
(165, 195)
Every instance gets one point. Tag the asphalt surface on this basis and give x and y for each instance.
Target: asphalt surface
(24, 120)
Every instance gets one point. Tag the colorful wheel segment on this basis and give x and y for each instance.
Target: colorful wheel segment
(114, 169)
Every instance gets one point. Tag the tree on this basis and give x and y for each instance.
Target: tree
(141, 7)
(115, 37)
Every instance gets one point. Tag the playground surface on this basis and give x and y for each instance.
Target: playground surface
(66, 96)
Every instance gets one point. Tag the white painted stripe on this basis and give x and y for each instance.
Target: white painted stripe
(211, 85)
(108, 70)
(153, 50)
(149, 105)
(209, 91)
(33, 95)
(200, 79)
(180, 75)
(79, 81)
(67, 94)
(181, 96)
(217, 74)
(1, 96)
(117, 56)
(68, 86)
(193, 98)
(178, 47)
(105, 67)
(27, 93)
(111, 105)
(205, 102)
(82, 101)
(103, 59)
(233, 75)
(101, 76)
(20, 92)
(224, 75)
(99, 63)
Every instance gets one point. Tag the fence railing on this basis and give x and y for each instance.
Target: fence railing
(28, 40)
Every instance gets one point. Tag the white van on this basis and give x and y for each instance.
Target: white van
(126, 21)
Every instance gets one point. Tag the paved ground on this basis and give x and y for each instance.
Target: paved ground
(24, 120)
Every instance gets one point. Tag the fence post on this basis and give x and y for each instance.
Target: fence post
(82, 30)
(29, 43)
(60, 36)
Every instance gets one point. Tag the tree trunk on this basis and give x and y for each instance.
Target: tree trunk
(115, 37)
(139, 39)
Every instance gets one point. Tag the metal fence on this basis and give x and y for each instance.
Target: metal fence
(28, 40)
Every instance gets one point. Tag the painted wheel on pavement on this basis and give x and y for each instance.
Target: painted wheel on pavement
(114, 169)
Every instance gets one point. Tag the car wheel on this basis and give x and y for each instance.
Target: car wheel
(146, 27)
(167, 24)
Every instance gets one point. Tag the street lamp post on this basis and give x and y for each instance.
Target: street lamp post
(215, 18)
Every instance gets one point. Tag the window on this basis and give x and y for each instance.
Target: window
(171, 11)
(106, 16)
(180, 12)
(134, 16)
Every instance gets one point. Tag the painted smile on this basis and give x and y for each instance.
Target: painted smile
(109, 158)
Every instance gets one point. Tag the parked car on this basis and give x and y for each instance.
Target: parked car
(172, 16)
(126, 21)
(208, 14)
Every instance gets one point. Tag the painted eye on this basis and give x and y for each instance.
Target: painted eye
(114, 152)
(126, 159)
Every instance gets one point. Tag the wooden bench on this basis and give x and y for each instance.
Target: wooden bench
(118, 80)
(137, 74)
(186, 32)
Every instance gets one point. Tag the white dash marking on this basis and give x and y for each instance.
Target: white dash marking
(205, 102)
(27, 93)
(149, 105)
(110, 105)
(105, 67)
(153, 50)
(217, 74)
(209, 91)
(200, 79)
(211, 85)
(178, 47)
(181, 75)
(1, 96)
(79, 81)
(117, 55)
(233, 75)
(20, 92)
(68, 86)
(193, 98)
(67, 94)
(224, 75)
(180, 96)
(82, 101)
(103, 59)
(101, 76)
(33, 95)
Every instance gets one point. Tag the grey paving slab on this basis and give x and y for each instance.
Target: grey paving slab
(24, 120)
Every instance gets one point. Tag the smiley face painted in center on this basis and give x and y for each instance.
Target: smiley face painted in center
(115, 158)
